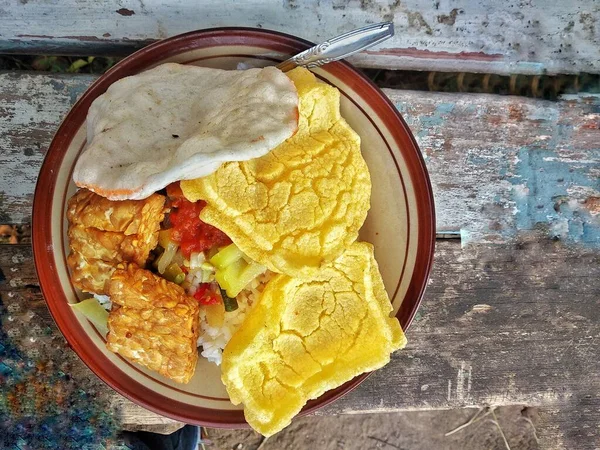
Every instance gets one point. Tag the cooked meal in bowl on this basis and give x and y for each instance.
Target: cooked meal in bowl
(218, 217)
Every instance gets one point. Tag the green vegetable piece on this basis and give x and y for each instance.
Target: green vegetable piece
(237, 276)
(226, 256)
(174, 273)
(164, 238)
(230, 304)
(166, 257)
(77, 65)
(228, 277)
(207, 266)
(94, 312)
(251, 271)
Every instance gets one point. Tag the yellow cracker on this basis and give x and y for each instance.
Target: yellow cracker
(302, 204)
(303, 338)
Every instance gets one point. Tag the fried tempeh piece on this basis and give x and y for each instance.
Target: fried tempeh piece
(103, 233)
(108, 246)
(128, 216)
(90, 276)
(153, 322)
(136, 288)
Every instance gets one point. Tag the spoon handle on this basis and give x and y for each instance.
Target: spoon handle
(340, 47)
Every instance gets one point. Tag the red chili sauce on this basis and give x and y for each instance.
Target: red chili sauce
(206, 294)
(188, 230)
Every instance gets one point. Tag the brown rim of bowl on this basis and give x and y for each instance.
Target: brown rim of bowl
(42, 211)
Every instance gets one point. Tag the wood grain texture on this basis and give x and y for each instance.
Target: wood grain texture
(513, 36)
(499, 165)
(510, 316)
(31, 108)
(500, 325)
(133, 417)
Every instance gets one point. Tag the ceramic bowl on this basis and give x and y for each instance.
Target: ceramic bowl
(400, 223)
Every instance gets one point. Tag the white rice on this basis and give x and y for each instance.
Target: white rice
(214, 339)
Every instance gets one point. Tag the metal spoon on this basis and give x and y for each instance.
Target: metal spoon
(340, 47)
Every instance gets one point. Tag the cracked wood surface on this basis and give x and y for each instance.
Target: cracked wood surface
(513, 324)
(460, 35)
(510, 316)
(500, 165)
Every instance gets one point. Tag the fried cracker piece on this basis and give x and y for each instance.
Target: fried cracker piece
(303, 338)
(103, 233)
(153, 322)
(303, 203)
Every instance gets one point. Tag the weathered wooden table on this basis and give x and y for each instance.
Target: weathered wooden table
(511, 315)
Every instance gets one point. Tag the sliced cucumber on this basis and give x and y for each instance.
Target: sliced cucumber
(226, 256)
(235, 277)
(229, 276)
(93, 311)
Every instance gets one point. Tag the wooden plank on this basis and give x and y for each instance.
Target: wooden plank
(500, 325)
(29, 339)
(505, 164)
(31, 108)
(422, 430)
(499, 165)
(488, 329)
(133, 417)
(446, 35)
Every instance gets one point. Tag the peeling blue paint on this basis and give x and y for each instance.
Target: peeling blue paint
(403, 110)
(73, 90)
(476, 159)
(547, 180)
(435, 120)
(544, 178)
